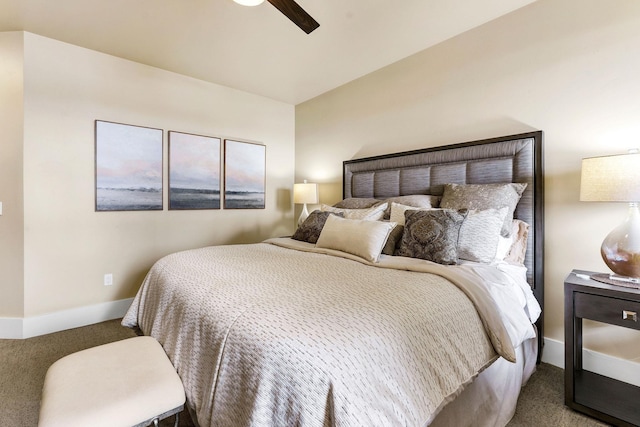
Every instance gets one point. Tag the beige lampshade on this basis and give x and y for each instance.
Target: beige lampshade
(611, 178)
(305, 193)
(249, 2)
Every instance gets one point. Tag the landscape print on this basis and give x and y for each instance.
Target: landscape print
(245, 171)
(128, 167)
(194, 171)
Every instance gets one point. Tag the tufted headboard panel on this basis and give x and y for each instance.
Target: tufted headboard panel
(515, 158)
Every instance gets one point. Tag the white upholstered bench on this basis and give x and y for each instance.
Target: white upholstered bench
(124, 383)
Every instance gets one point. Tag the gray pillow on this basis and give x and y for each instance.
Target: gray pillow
(357, 203)
(484, 196)
(393, 240)
(432, 235)
(310, 229)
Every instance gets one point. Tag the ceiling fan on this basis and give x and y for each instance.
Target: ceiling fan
(291, 10)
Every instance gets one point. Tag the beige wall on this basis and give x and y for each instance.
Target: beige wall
(67, 246)
(567, 67)
(11, 221)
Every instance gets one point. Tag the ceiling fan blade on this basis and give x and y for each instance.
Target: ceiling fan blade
(296, 14)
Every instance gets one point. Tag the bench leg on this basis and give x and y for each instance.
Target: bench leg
(175, 424)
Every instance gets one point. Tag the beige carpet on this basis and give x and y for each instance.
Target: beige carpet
(24, 363)
(541, 402)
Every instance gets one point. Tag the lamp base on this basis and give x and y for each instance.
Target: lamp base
(304, 215)
(621, 248)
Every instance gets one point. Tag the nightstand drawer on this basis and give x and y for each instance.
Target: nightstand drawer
(607, 310)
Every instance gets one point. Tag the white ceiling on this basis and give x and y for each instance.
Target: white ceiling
(255, 49)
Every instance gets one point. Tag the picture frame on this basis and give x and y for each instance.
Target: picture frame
(128, 167)
(194, 171)
(244, 175)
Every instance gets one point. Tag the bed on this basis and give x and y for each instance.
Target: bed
(334, 332)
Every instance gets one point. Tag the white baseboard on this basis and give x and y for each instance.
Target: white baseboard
(603, 364)
(17, 328)
(10, 328)
(553, 352)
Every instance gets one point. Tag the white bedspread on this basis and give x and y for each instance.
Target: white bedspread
(263, 335)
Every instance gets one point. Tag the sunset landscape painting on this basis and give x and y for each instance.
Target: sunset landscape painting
(245, 172)
(128, 167)
(194, 171)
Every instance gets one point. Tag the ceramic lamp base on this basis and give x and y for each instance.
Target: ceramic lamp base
(621, 248)
(304, 215)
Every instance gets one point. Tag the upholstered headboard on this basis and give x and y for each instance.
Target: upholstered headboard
(515, 158)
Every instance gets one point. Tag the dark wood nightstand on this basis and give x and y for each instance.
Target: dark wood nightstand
(612, 401)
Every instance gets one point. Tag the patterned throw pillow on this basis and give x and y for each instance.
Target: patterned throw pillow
(484, 196)
(432, 235)
(311, 228)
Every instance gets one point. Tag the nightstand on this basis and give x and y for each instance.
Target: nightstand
(612, 401)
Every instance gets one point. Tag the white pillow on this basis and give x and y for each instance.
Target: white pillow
(514, 248)
(480, 233)
(504, 246)
(397, 212)
(374, 213)
(362, 238)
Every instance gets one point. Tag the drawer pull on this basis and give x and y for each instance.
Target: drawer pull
(629, 315)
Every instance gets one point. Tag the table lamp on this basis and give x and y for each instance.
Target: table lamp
(617, 179)
(304, 193)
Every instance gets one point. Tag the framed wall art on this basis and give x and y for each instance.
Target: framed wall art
(244, 175)
(194, 171)
(128, 167)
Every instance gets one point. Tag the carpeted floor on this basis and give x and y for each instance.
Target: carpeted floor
(541, 402)
(24, 363)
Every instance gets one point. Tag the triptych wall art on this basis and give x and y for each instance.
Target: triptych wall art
(129, 170)
(128, 167)
(244, 167)
(194, 171)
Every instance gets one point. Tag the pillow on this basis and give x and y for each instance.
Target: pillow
(414, 200)
(484, 196)
(398, 210)
(357, 203)
(310, 229)
(362, 238)
(393, 240)
(479, 235)
(504, 246)
(432, 235)
(518, 249)
(374, 213)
